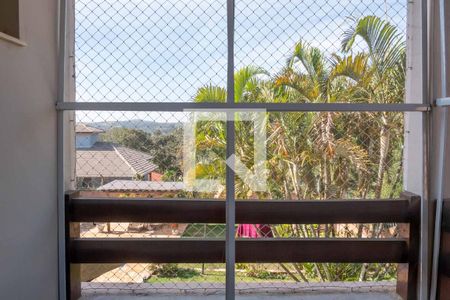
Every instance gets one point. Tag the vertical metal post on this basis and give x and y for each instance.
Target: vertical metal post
(230, 180)
(60, 150)
(425, 203)
(230, 211)
(441, 154)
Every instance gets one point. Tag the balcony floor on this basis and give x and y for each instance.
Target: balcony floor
(256, 291)
(315, 296)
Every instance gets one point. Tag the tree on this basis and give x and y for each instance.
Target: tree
(322, 155)
(386, 52)
(165, 149)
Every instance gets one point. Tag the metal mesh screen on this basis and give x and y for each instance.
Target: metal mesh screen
(285, 52)
(302, 150)
(153, 51)
(328, 156)
(266, 31)
(126, 152)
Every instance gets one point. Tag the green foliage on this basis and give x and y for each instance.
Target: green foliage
(211, 94)
(386, 45)
(260, 272)
(165, 149)
(172, 271)
(323, 155)
(198, 230)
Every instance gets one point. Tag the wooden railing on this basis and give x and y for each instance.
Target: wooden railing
(444, 254)
(404, 250)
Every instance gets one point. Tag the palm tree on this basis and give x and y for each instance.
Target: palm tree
(386, 53)
(309, 77)
(321, 155)
(211, 136)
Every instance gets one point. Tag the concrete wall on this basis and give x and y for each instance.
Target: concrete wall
(413, 166)
(413, 152)
(28, 211)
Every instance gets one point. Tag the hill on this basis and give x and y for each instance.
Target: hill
(147, 126)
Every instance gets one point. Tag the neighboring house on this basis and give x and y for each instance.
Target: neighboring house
(142, 186)
(150, 189)
(98, 163)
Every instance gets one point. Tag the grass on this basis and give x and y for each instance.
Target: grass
(209, 276)
(213, 273)
(205, 231)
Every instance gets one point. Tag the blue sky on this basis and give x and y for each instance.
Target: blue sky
(164, 50)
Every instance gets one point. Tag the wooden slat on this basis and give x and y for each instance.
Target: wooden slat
(247, 250)
(247, 211)
(146, 210)
(444, 253)
(323, 211)
(413, 247)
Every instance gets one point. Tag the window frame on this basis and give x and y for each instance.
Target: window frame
(10, 22)
(64, 106)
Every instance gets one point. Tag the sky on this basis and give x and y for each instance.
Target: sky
(164, 50)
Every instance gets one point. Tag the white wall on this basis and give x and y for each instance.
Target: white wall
(414, 125)
(28, 211)
(413, 151)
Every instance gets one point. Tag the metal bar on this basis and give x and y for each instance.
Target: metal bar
(424, 205)
(60, 153)
(247, 211)
(443, 101)
(271, 107)
(262, 250)
(424, 256)
(441, 154)
(230, 213)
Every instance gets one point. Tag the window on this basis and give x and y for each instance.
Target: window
(332, 123)
(9, 18)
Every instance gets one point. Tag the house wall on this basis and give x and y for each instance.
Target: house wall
(83, 183)
(84, 140)
(28, 206)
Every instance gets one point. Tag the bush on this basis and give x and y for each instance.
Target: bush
(173, 271)
(260, 272)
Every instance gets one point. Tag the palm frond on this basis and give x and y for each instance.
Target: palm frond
(310, 58)
(352, 152)
(384, 43)
(211, 93)
(244, 79)
(353, 67)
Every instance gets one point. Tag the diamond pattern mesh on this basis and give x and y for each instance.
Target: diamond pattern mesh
(285, 51)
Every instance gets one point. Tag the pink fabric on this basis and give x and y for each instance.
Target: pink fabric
(254, 231)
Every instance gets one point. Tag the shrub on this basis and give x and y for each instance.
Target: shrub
(173, 271)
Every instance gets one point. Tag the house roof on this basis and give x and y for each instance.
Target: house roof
(110, 160)
(83, 128)
(130, 185)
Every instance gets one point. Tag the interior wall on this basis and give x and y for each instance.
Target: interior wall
(28, 206)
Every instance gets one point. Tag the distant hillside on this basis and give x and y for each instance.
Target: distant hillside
(147, 126)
